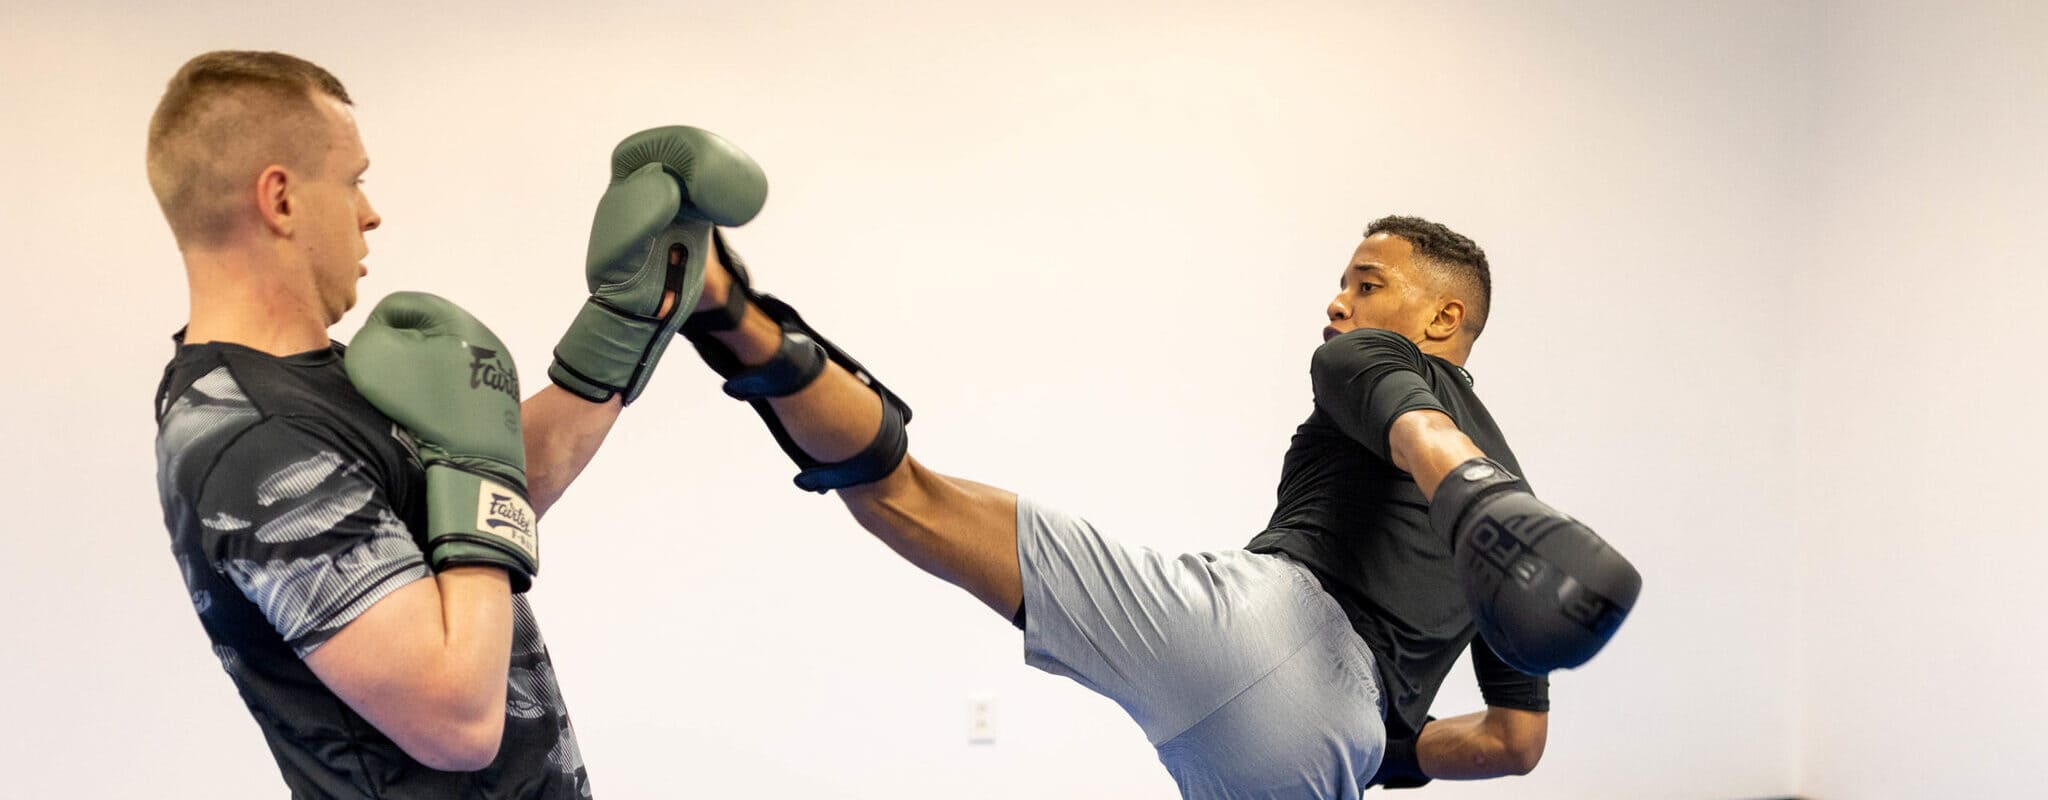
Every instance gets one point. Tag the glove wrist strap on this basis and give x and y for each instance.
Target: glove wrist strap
(473, 518)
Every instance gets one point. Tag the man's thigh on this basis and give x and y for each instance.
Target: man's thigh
(1310, 729)
(1170, 638)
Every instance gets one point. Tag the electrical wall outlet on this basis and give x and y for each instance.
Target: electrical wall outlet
(981, 719)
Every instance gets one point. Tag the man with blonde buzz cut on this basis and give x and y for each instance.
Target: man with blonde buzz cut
(379, 659)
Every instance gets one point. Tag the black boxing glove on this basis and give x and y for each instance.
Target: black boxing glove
(1546, 592)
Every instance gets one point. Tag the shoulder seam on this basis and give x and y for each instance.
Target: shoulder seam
(227, 363)
(206, 476)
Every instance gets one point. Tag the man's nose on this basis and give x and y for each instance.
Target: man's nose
(1337, 310)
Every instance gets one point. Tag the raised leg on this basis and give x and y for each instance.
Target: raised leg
(961, 531)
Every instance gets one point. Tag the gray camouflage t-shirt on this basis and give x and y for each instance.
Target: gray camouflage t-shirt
(292, 506)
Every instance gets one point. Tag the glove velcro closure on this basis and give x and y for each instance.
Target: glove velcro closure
(1460, 492)
(477, 519)
(603, 351)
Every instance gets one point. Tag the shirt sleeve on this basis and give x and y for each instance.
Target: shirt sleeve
(303, 529)
(1504, 686)
(1367, 378)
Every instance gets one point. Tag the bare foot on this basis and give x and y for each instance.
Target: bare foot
(717, 282)
(668, 299)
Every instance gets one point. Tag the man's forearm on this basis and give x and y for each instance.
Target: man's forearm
(476, 630)
(427, 666)
(1427, 445)
(1472, 747)
(562, 432)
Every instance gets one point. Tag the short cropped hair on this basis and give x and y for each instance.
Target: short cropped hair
(1455, 258)
(224, 118)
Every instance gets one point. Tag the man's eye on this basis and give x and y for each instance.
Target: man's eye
(1366, 287)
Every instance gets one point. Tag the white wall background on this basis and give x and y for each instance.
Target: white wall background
(1091, 243)
(1919, 403)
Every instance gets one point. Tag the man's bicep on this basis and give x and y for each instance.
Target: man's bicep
(375, 660)
(304, 531)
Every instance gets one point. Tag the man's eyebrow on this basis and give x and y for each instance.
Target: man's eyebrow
(1362, 269)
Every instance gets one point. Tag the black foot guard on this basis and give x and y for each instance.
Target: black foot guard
(799, 361)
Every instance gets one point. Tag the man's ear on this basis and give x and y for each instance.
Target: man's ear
(1449, 319)
(274, 186)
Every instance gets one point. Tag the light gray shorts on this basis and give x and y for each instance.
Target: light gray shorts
(1241, 670)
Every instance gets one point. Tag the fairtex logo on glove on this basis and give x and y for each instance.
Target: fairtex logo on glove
(506, 515)
(487, 370)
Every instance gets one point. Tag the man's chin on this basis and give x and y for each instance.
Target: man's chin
(348, 304)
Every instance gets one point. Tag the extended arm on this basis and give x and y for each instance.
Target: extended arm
(650, 244)
(563, 432)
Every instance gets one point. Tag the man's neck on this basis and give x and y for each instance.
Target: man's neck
(1456, 353)
(240, 299)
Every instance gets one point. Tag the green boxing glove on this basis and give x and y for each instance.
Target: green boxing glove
(438, 372)
(670, 188)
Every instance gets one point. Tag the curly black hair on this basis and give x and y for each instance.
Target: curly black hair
(1454, 257)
